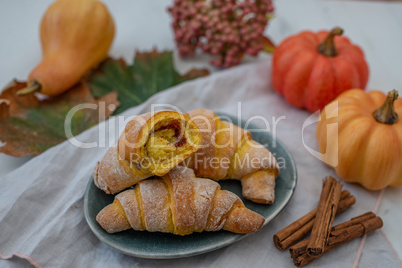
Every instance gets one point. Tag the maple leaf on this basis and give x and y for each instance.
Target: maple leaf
(150, 73)
(29, 126)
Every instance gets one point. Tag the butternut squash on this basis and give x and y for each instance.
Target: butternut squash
(75, 36)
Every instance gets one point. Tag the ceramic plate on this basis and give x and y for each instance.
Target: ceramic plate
(163, 246)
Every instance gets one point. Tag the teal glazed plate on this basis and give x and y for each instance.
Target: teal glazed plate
(165, 246)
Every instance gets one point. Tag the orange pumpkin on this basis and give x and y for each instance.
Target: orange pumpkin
(311, 69)
(369, 138)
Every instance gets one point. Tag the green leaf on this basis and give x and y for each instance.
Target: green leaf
(150, 73)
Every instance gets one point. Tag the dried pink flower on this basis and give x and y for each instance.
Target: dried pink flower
(227, 29)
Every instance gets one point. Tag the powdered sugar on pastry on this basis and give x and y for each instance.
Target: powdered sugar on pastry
(181, 188)
(151, 144)
(228, 136)
(205, 121)
(112, 218)
(250, 150)
(113, 175)
(229, 153)
(155, 205)
(259, 186)
(222, 204)
(197, 205)
(204, 191)
(131, 208)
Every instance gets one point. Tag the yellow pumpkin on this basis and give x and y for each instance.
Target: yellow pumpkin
(366, 145)
(76, 36)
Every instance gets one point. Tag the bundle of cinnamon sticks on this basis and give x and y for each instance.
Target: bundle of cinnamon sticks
(324, 237)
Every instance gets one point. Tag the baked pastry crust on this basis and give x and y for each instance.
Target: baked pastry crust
(181, 204)
(151, 144)
(228, 152)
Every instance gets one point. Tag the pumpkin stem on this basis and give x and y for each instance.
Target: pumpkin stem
(328, 46)
(386, 113)
(32, 87)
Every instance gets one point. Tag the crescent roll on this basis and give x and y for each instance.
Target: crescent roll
(178, 203)
(228, 152)
(151, 144)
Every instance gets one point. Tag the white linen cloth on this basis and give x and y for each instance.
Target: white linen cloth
(41, 203)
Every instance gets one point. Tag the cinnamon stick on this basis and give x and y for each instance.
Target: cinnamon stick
(299, 228)
(340, 234)
(327, 206)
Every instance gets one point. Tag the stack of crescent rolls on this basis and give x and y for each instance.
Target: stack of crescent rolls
(171, 162)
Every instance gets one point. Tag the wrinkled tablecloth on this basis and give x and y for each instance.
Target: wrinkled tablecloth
(41, 203)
